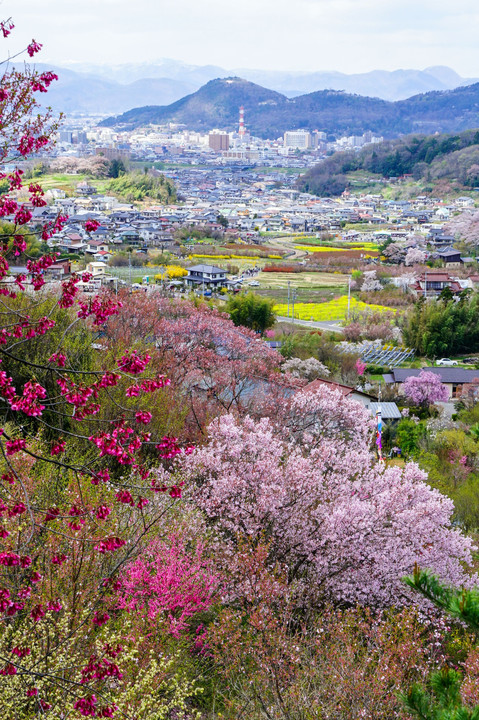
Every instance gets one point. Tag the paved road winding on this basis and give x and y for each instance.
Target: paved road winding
(331, 325)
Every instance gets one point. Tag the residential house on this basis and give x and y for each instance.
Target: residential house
(439, 239)
(102, 256)
(95, 246)
(389, 411)
(432, 282)
(60, 270)
(84, 188)
(362, 397)
(464, 202)
(96, 268)
(129, 236)
(207, 275)
(450, 257)
(454, 378)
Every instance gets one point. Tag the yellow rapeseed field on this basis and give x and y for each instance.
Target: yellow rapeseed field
(333, 310)
(367, 247)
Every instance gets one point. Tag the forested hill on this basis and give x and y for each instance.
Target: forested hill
(428, 157)
(269, 113)
(216, 104)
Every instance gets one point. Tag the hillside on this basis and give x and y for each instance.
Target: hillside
(269, 113)
(213, 105)
(430, 157)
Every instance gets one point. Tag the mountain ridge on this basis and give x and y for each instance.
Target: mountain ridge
(269, 113)
(87, 88)
(76, 92)
(392, 85)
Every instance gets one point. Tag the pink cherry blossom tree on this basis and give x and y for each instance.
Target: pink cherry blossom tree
(370, 282)
(425, 389)
(414, 256)
(214, 366)
(347, 527)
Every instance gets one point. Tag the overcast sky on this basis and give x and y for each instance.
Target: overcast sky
(345, 35)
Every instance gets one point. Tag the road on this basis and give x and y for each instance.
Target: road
(331, 325)
(288, 244)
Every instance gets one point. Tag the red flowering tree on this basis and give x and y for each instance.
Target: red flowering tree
(214, 366)
(77, 499)
(168, 585)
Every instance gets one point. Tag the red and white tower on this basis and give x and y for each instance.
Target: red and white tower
(241, 123)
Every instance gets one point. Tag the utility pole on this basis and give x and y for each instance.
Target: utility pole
(349, 294)
(293, 296)
(289, 281)
(129, 268)
(425, 284)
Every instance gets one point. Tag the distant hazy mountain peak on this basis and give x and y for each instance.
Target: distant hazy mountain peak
(445, 74)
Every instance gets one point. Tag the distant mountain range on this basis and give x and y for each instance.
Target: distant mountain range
(269, 113)
(83, 93)
(115, 89)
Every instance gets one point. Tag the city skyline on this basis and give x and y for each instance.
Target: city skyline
(349, 36)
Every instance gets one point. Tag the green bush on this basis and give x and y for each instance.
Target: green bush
(251, 311)
(138, 186)
(408, 434)
(376, 369)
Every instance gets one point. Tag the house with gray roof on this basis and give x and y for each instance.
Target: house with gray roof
(208, 275)
(454, 378)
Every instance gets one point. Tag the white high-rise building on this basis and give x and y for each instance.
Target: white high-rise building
(297, 139)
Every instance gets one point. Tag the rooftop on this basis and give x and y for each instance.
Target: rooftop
(447, 374)
(206, 269)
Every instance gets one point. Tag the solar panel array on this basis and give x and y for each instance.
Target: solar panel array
(375, 352)
(386, 355)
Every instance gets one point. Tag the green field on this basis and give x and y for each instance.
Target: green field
(68, 183)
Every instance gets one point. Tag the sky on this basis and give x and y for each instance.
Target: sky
(345, 35)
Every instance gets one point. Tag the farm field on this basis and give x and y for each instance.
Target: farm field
(68, 183)
(336, 309)
(309, 287)
(244, 263)
(302, 280)
(369, 249)
(335, 242)
(320, 248)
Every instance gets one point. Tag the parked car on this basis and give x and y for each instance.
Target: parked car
(253, 283)
(446, 362)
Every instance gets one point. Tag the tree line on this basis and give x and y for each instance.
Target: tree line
(427, 157)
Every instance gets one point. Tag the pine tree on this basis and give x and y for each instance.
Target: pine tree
(442, 700)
